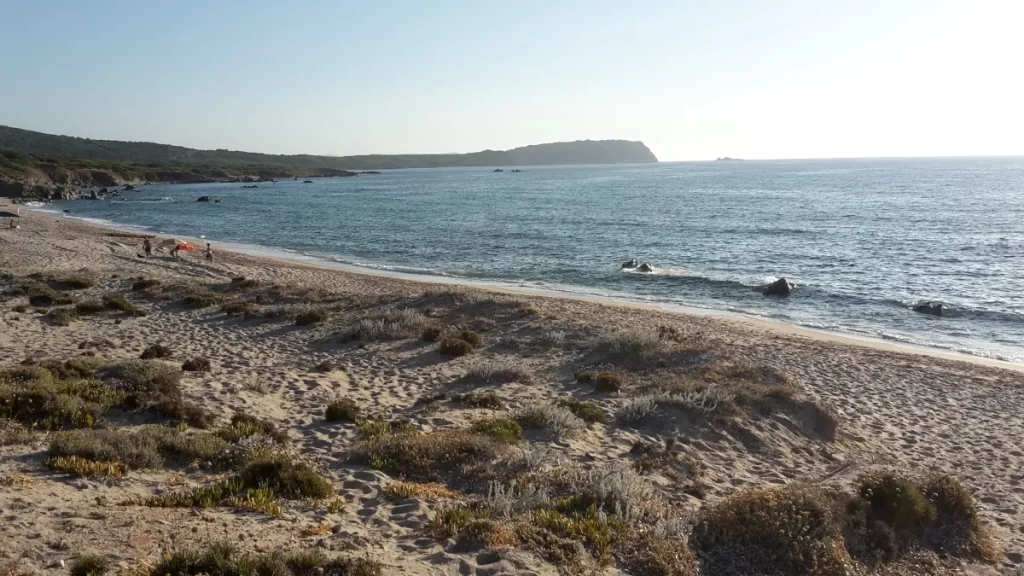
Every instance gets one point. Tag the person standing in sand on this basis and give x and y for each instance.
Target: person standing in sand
(209, 253)
(147, 247)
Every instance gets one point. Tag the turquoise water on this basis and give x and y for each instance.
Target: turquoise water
(863, 239)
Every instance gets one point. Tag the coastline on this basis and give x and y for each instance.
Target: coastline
(298, 337)
(288, 257)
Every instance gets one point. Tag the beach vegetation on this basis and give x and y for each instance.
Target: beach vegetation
(342, 410)
(455, 347)
(245, 425)
(156, 351)
(444, 456)
(587, 411)
(196, 364)
(62, 316)
(82, 468)
(475, 399)
(89, 307)
(491, 371)
(312, 315)
(503, 430)
(557, 420)
(142, 448)
(141, 284)
(240, 307)
(90, 565)
(120, 304)
(389, 324)
(287, 478)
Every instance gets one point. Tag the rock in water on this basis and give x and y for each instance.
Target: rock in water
(629, 265)
(645, 267)
(781, 287)
(932, 308)
(207, 199)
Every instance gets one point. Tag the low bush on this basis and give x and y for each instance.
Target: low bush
(144, 284)
(89, 565)
(602, 381)
(120, 304)
(89, 307)
(324, 366)
(503, 430)
(561, 422)
(431, 334)
(201, 300)
(586, 411)
(497, 372)
(441, 456)
(197, 364)
(488, 399)
(147, 447)
(455, 347)
(32, 396)
(240, 307)
(474, 339)
(312, 316)
(289, 479)
(156, 351)
(73, 282)
(771, 531)
(63, 316)
(245, 425)
(42, 295)
(342, 410)
(629, 344)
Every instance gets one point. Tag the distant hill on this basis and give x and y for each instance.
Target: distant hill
(580, 152)
(37, 165)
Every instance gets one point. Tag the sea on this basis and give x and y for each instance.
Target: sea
(865, 240)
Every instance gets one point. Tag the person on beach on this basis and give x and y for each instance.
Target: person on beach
(209, 253)
(147, 247)
(175, 250)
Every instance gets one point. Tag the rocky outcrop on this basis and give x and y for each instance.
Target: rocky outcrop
(210, 199)
(781, 287)
(630, 264)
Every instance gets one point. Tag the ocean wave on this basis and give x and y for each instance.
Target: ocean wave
(390, 267)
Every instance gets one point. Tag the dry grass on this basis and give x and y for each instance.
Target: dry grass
(389, 324)
(497, 372)
(559, 421)
(62, 316)
(313, 315)
(156, 351)
(145, 447)
(586, 411)
(602, 381)
(197, 364)
(342, 410)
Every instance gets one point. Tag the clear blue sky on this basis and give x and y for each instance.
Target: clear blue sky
(693, 80)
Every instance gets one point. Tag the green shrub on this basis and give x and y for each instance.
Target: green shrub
(74, 282)
(31, 396)
(82, 468)
(603, 381)
(586, 411)
(156, 351)
(287, 478)
(244, 425)
(147, 447)
(197, 364)
(42, 295)
(488, 399)
(455, 347)
(342, 410)
(503, 430)
(440, 456)
(474, 339)
(771, 531)
(896, 501)
(90, 565)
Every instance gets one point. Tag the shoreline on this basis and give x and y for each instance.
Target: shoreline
(286, 257)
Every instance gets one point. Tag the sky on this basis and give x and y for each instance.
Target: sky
(693, 80)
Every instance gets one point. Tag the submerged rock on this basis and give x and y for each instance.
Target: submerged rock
(208, 199)
(931, 308)
(781, 287)
(645, 267)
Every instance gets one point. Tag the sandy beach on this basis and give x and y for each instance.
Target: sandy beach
(766, 406)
